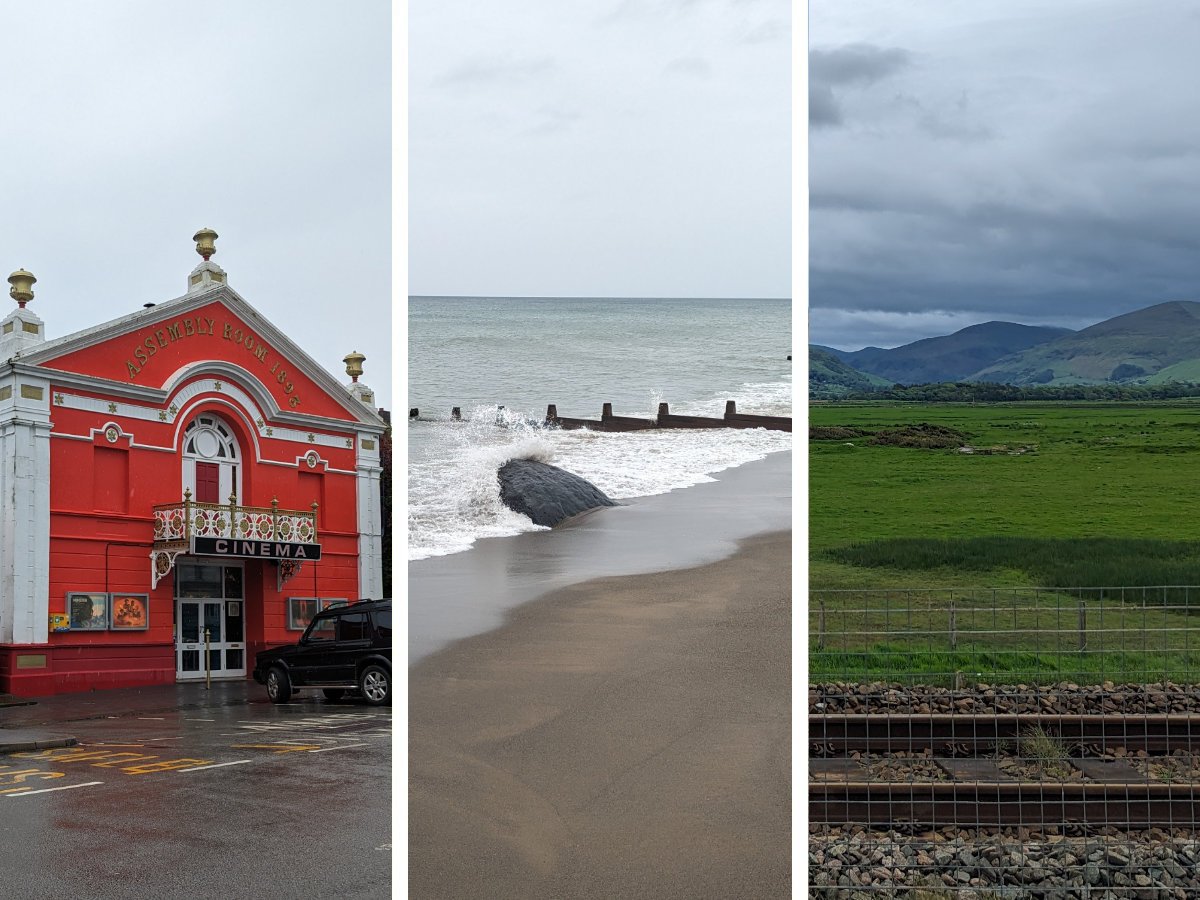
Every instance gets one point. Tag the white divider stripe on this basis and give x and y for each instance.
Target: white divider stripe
(65, 787)
(236, 762)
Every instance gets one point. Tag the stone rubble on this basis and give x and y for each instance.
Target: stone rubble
(854, 863)
(975, 698)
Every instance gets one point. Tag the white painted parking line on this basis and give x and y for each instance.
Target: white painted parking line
(343, 747)
(236, 762)
(199, 720)
(65, 787)
(151, 718)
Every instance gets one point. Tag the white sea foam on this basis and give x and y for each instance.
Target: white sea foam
(454, 495)
(578, 353)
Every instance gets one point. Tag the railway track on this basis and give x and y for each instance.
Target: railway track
(835, 735)
(1114, 771)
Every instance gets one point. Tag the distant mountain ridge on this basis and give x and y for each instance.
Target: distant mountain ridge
(1149, 346)
(1140, 347)
(952, 357)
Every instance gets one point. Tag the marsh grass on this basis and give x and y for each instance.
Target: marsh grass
(1107, 500)
(1049, 562)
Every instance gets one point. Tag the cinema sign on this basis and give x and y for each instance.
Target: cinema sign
(276, 550)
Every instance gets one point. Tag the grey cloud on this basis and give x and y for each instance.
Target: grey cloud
(853, 65)
(495, 70)
(553, 120)
(856, 64)
(770, 30)
(1010, 175)
(823, 110)
(690, 66)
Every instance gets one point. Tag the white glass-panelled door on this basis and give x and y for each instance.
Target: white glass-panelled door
(210, 597)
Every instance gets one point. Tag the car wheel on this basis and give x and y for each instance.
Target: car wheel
(279, 686)
(375, 682)
(333, 693)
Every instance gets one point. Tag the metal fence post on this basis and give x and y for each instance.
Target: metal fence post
(1082, 625)
(953, 627)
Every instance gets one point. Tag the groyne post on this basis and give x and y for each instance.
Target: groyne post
(606, 411)
(730, 409)
(456, 414)
(551, 414)
(413, 413)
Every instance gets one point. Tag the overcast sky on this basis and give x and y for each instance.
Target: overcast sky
(131, 125)
(1000, 159)
(600, 147)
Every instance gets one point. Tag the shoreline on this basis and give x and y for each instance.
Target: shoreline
(627, 736)
(465, 594)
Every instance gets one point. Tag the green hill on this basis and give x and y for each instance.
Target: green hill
(1150, 345)
(950, 357)
(829, 377)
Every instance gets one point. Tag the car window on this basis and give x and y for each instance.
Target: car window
(383, 623)
(321, 628)
(352, 627)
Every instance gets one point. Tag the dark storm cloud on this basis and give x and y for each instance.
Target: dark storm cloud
(822, 106)
(1011, 175)
(852, 65)
(855, 64)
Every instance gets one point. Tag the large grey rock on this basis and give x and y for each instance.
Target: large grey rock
(545, 493)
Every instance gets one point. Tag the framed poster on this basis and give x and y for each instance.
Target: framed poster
(87, 612)
(300, 611)
(129, 612)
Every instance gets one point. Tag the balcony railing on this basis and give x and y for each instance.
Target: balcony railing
(175, 524)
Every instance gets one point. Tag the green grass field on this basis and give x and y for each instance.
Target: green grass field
(1100, 495)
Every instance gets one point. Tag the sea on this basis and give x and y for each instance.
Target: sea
(503, 360)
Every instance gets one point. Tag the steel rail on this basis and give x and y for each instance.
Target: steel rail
(996, 804)
(968, 734)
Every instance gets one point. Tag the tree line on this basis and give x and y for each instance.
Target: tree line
(991, 392)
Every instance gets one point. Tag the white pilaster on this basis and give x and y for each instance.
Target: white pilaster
(24, 508)
(22, 328)
(370, 531)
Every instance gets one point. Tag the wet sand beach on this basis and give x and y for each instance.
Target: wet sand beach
(455, 596)
(624, 737)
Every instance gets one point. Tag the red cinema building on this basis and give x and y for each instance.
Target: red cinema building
(179, 488)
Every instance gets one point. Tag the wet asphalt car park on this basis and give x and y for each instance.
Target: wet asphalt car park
(179, 791)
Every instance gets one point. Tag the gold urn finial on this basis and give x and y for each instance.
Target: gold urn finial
(354, 361)
(204, 239)
(22, 286)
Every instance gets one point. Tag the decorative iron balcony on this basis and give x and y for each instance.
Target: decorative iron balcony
(175, 524)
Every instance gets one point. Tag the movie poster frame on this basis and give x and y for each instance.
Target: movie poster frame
(95, 623)
(142, 599)
(322, 603)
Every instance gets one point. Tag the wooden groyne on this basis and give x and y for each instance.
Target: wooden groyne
(665, 419)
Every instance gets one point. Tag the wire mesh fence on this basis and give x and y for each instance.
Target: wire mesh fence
(1004, 743)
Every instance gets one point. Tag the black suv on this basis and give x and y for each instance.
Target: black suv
(344, 648)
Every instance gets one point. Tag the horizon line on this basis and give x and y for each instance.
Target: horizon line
(585, 297)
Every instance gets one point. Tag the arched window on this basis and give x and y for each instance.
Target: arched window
(211, 460)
